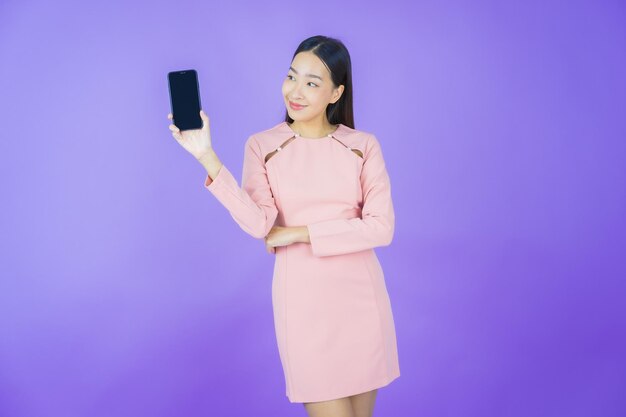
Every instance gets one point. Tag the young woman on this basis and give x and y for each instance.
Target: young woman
(317, 191)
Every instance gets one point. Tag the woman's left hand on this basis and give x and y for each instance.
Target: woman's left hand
(281, 236)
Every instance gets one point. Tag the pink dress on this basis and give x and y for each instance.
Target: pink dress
(332, 313)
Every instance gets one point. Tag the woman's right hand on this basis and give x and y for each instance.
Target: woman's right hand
(196, 141)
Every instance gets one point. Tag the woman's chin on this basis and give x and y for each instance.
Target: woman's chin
(296, 115)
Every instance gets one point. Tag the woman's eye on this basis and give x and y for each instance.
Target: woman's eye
(291, 76)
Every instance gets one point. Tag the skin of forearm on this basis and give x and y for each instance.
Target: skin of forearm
(302, 233)
(286, 235)
(211, 163)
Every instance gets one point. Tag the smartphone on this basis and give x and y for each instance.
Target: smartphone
(185, 99)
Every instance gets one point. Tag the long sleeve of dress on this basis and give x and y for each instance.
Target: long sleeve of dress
(251, 205)
(376, 225)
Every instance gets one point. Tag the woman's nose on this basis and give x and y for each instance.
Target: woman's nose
(295, 93)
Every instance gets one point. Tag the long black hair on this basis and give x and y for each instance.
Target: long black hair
(335, 56)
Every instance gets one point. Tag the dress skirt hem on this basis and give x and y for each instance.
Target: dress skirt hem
(347, 393)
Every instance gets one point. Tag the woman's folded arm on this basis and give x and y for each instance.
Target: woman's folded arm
(252, 205)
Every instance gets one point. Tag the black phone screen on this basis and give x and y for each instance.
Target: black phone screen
(185, 99)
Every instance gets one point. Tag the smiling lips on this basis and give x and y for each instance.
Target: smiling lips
(296, 106)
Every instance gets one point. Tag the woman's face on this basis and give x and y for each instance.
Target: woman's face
(308, 83)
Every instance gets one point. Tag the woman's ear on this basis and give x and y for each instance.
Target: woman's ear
(337, 94)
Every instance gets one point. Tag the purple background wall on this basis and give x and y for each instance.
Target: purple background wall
(128, 290)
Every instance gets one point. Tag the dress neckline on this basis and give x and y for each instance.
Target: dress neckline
(305, 137)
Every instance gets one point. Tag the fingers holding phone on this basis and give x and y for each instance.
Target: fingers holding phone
(175, 130)
(195, 141)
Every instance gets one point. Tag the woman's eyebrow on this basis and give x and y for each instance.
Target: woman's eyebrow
(308, 75)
